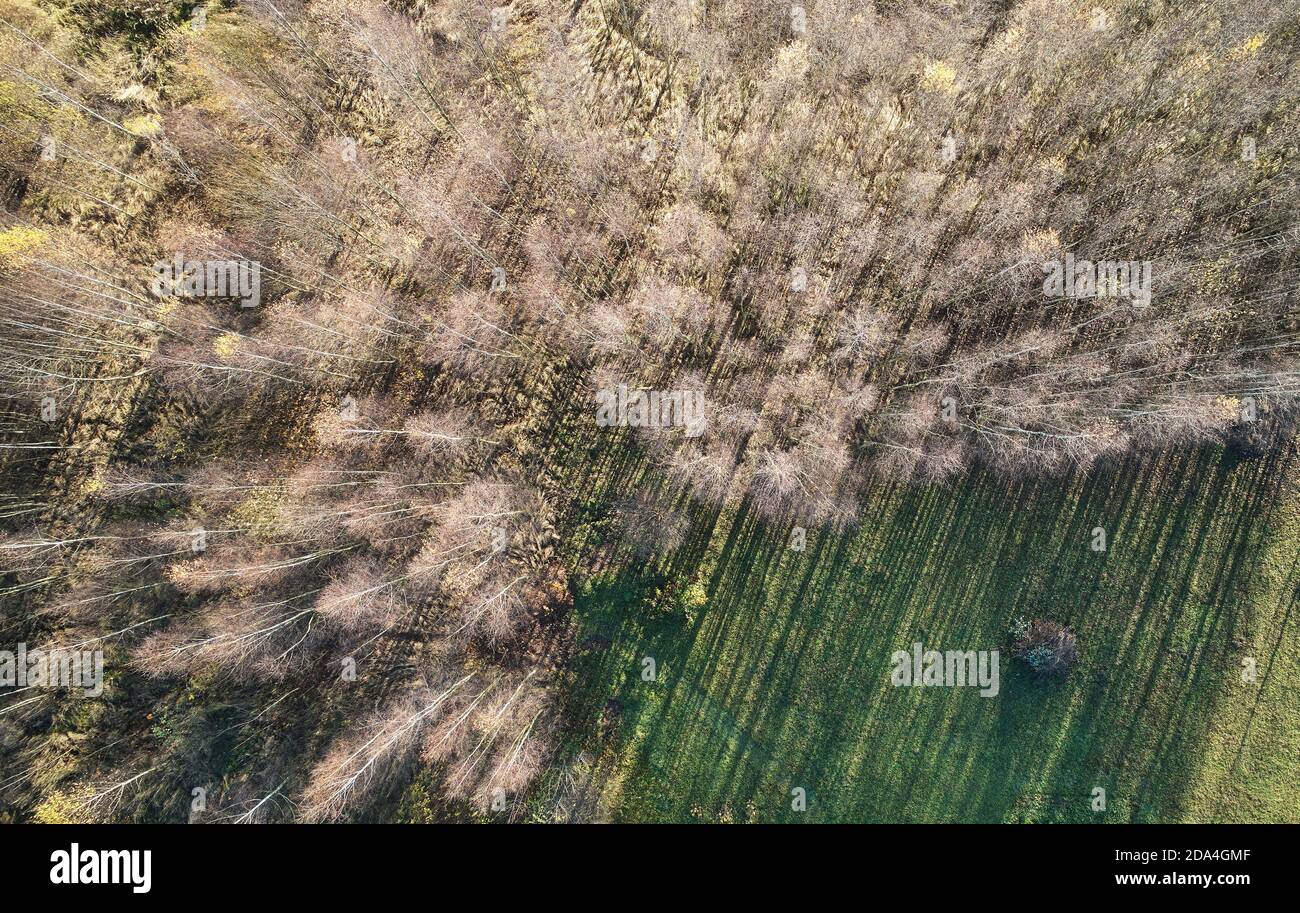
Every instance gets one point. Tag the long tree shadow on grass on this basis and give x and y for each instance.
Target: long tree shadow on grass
(782, 680)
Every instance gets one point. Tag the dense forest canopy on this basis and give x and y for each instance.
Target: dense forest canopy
(296, 296)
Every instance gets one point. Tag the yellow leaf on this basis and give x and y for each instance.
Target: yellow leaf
(143, 125)
(18, 241)
(939, 77)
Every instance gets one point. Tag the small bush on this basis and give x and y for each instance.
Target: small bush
(1046, 647)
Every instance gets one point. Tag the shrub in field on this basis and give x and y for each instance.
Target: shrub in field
(1046, 647)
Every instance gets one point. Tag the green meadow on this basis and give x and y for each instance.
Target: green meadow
(772, 665)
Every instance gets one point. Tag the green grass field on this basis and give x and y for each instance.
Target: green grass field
(782, 679)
